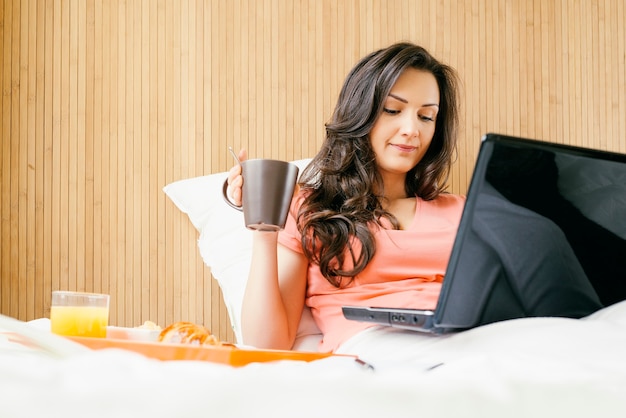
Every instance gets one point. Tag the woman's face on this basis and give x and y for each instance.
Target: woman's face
(402, 133)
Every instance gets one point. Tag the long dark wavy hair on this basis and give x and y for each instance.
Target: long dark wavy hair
(342, 186)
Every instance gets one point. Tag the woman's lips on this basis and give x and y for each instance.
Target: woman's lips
(404, 148)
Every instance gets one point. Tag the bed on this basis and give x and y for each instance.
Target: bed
(517, 368)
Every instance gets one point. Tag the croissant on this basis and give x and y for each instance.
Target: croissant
(187, 333)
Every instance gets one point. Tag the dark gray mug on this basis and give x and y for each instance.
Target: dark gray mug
(268, 187)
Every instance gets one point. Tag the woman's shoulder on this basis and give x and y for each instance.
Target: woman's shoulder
(453, 203)
(447, 199)
(299, 195)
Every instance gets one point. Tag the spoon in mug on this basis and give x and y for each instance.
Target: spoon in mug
(232, 152)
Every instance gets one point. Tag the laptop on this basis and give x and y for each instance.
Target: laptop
(543, 233)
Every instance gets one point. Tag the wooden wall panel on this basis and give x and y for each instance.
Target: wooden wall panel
(104, 102)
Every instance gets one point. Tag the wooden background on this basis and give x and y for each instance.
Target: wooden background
(104, 102)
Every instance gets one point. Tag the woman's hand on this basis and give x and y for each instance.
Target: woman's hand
(235, 179)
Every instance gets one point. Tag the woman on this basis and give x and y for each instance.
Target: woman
(371, 223)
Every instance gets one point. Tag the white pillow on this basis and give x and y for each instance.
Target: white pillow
(225, 245)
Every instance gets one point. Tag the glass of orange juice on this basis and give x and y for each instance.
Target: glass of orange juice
(79, 314)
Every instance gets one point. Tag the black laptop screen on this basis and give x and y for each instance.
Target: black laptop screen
(543, 234)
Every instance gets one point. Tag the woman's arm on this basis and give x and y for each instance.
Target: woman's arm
(274, 296)
(275, 292)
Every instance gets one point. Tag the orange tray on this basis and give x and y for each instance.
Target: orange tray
(227, 354)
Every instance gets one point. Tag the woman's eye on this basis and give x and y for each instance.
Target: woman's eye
(427, 118)
(391, 111)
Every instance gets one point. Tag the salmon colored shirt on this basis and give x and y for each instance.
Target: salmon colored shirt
(406, 271)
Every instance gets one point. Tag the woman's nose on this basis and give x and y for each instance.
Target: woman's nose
(410, 125)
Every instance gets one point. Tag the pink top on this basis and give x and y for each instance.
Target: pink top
(405, 272)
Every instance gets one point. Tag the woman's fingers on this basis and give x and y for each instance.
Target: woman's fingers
(235, 179)
(235, 189)
(243, 154)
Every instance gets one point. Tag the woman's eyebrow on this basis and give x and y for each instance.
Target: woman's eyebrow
(398, 98)
(406, 101)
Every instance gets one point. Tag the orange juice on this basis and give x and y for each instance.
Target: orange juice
(79, 321)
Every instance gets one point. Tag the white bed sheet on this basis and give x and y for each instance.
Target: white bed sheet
(523, 368)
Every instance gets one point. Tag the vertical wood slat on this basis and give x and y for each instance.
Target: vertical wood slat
(4, 88)
(45, 244)
(104, 102)
(108, 133)
(149, 163)
(21, 158)
(95, 129)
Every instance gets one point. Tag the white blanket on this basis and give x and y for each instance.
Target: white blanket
(523, 368)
